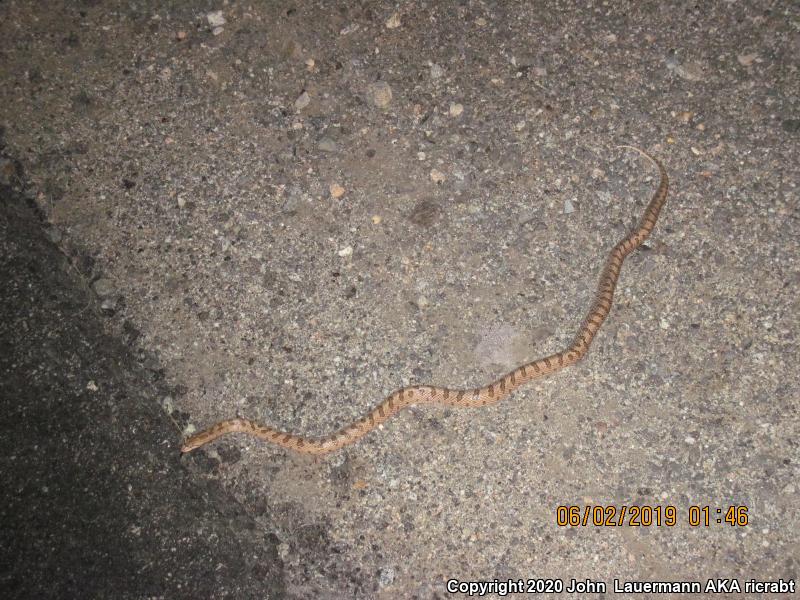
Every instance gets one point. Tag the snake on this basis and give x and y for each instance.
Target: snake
(491, 393)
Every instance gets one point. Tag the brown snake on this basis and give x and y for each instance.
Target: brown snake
(489, 394)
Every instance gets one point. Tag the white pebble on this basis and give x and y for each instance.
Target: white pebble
(386, 577)
(393, 22)
(215, 18)
(747, 59)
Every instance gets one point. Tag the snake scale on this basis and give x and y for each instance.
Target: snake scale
(488, 394)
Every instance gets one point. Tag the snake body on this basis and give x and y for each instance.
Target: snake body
(483, 396)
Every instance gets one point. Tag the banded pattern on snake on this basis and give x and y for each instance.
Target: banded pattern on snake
(489, 394)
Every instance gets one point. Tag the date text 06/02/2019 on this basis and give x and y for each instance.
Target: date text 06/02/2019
(588, 586)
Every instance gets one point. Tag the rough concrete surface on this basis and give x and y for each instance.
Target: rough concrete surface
(299, 207)
(94, 501)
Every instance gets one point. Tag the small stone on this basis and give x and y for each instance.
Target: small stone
(302, 101)
(283, 550)
(346, 251)
(690, 440)
(217, 30)
(393, 22)
(437, 176)
(180, 36)
(380, 94)
(436, 71)
(685, 116)
(215, 18)
(109, 305)
(326, 144)
(104, 288)
(456, 109)
(376, 219)
(92, 386)
(386, 577)
(310, 63)
(569, 207)
(336, 190)
(747, 59)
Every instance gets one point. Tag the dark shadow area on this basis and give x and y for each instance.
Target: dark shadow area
(94, 501)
